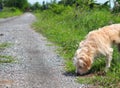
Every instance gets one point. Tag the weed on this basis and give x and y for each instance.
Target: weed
(4, 45)
(6, 59)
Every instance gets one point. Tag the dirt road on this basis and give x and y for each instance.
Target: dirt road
(36, 63)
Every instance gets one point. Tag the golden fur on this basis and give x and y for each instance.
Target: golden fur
(97, 42)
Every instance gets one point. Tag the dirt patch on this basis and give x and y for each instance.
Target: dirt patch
(8, 82)
(99, 73)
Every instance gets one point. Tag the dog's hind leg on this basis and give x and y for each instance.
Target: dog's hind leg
(108, 60)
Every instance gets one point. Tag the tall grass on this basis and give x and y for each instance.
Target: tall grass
(69, 28)
(9, 12)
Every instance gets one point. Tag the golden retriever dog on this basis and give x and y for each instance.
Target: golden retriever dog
(96, 42)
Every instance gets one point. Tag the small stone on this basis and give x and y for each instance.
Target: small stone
(1, 34)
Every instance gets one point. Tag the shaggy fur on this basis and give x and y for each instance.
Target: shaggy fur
(97, 42)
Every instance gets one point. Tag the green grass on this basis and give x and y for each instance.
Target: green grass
(5, 58)
(4, 45)
(68, 29)
(9, 12)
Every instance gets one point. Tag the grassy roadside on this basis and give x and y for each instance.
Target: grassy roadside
(9, 12)
(5, 58)
(68, 29)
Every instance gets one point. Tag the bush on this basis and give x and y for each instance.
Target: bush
(58, 9)
(9, 12)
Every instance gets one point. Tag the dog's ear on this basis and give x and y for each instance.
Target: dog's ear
(80, 63)
(87, 63)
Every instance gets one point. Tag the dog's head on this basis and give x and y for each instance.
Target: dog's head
(82, 62)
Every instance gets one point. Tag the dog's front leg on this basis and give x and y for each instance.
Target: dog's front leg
(108, 60)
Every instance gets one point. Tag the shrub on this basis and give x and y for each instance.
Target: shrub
(58, 9)
(9, 12)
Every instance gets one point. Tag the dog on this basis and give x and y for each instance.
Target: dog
(97, 42)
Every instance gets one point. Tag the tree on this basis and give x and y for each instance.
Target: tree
(116, 8)
(1, 5)
(21, 4)
(67, 2)
(86, 3)
(36, 6)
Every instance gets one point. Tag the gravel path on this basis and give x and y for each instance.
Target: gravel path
(36, 63)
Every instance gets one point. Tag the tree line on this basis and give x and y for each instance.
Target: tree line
(86, 4)
(20, 4)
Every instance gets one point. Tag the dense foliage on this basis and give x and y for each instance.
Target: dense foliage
(20, 4)
(9, 12)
